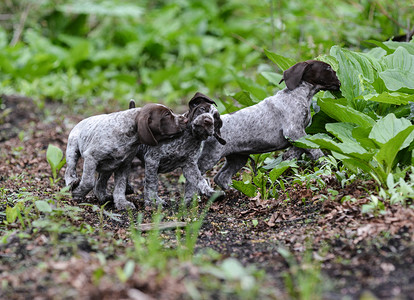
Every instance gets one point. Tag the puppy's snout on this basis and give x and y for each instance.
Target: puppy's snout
(208, 121)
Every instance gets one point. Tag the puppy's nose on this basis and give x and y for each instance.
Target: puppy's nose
(208, 121)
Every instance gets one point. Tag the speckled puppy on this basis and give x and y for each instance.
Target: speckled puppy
(108, 143)
(269, 125)
(182, 152)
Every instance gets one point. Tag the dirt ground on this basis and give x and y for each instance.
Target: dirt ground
(361, 256)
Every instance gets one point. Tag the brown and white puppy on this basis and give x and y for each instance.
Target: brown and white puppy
(270, 124)
(109, 142)
(182, 151)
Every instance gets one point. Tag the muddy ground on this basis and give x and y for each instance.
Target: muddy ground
(361, 256)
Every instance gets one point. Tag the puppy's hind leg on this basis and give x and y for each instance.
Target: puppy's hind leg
(100, 187)
(233, 164)
(72, 157)
(121, 176)
(88, 178)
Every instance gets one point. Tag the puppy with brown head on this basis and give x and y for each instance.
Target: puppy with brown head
(271, 124)
(108, 143)
(182, 151)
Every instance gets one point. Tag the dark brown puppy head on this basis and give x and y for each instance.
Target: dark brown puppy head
(157, 122)
(204, 117)
(317, 73)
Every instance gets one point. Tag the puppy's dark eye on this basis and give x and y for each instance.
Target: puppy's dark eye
(202, 108)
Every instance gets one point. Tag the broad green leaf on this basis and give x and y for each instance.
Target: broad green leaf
(129, 268)
(345, 114)
(43, 206)
(79, 53)
(252, 87)
(319, 120)
(61, 164)
(303, 142)
(361, 134)
(259, 180)
(388, 127)
(342, 131)
(396, 80)
(250, 190)
(355, 68)
(391, 98)
(282, 62)
(355, 164)
(389, 150)
(329, 59)
(244, 98)
(233, 269)
(401, 59)
(395, 45)
(11, 214)
(273, 78)
(350, 149)
(381, 45)
(272, 163)
(282, 167)
(54, 156)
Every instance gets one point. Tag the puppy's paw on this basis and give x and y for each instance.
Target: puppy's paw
(74, 184)
(124, 205)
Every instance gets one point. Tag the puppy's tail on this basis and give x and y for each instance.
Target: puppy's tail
(131, 103)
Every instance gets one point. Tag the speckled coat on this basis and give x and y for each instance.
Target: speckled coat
(270, 124)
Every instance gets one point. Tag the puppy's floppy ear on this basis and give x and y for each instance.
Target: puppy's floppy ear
(294, 74)
(218, 123)
(199, 97)
(144, 132)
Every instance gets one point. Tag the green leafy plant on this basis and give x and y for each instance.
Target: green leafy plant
(56, 161)
(263, 181)
(376, 206)
(372, 148)
(399, 191)
(126, 272)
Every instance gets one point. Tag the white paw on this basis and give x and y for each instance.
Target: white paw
(124, 205)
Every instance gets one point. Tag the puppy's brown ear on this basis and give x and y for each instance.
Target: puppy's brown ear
(144, 132)
(199, 97)
(294, 74)
(218, 123)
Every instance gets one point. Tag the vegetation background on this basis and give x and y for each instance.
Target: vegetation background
(102, 53)
(84, 57)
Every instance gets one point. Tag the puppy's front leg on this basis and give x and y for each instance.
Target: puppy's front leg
(121, 176)
(194, 181)
(151, 182)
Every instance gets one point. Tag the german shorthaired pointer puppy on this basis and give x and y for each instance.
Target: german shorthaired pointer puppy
(108, 143)
(269, 125)
(183, 151)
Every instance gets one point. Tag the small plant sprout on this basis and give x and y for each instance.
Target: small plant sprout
(56, 161)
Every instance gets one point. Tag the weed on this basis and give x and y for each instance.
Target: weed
(375, 206)
(263, 181)
(56, 161)
(302, 280)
